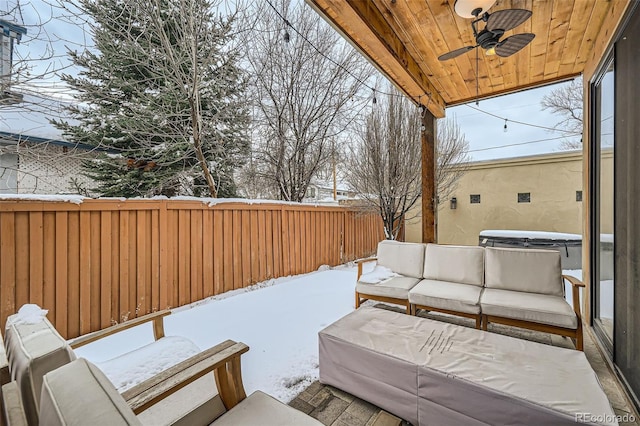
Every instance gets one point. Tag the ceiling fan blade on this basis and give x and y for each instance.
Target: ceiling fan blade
(507, 19)
(513, 44)
(455, 53)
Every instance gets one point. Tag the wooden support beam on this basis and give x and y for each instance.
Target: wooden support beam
(365, 26)
(429, 204)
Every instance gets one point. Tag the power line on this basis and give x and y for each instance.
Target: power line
(523, 123)
(516, 144)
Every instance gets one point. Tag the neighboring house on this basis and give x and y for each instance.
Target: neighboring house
(34, 158)
(11, 31)
(535, 193)
(321, 191)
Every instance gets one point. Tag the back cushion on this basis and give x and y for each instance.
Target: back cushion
(33, 350)
(533, 271)
(79, 394)
(402, 258)
(458, 264)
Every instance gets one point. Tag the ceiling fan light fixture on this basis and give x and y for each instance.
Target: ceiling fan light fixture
(491, 51)
(465, 8)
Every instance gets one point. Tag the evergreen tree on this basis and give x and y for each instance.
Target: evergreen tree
(162, 90)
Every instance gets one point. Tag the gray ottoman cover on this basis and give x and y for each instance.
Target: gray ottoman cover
(430, 372)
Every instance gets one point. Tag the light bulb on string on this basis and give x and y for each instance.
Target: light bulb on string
(375, 101)
(505, 125)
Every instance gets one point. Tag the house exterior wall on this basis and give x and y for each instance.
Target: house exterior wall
(50, 170)
(551, 179)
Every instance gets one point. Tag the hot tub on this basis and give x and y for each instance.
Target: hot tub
(569, 245)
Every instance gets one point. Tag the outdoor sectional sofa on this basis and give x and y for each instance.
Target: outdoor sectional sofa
(517, 287)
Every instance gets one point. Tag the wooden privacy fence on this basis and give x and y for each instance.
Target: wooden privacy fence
(105, 260)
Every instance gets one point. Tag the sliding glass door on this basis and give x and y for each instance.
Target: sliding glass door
(603, 201)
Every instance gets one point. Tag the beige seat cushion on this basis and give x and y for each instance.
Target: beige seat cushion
(457, 264)
(397, 287)
(534, 307)
(262, 409)
(402, 258)
(195, 405)
(34, 350)
(79, 394)
(445, 295)
(532, 271)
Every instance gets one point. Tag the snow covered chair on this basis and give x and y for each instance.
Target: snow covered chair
(34, 348)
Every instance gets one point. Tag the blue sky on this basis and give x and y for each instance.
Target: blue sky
(485, 133)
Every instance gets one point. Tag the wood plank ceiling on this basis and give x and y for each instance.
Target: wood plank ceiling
(404, 38)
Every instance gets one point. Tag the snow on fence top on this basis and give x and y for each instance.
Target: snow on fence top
(78, 199)
(538, 235)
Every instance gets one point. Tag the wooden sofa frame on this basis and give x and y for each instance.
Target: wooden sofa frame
(385, 299)
(576, 335)
(223, 360)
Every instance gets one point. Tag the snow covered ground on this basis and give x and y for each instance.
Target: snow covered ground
(278, 319)
(279, 323)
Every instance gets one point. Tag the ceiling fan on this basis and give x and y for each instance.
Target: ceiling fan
(496, 24)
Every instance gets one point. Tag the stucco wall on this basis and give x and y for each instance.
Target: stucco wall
(551, 179)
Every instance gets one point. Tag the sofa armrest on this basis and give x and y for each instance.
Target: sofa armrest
(575, 287)
(361, 262)
(158, 328)
(13, 410)
(223, 360)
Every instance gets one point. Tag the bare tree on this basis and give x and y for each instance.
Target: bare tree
(307, 85)
(385, 164)
(453, 157)
(566, 102)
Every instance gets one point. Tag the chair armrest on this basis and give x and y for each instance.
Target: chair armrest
(575, 287)
(13, 411)
(158, 328)
(361, 262)
(5, 376)
(222, 359)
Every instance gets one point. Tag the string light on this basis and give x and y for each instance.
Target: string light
(505, 125)
(375, 101)
(570, 132)
(287, 37)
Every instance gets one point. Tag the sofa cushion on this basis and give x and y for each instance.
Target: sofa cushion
(397, 287)
(458, 264)
(534, 307)
(402, 258)
(260, 408)
(33, 350)
(446, 295)
(80, 394)
(532, 271)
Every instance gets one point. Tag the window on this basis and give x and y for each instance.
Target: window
(311, 192)
(474, 198)
(524, 197)
(578, 195)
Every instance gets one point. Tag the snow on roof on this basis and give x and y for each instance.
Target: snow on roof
(31, 116)
(539, 235)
